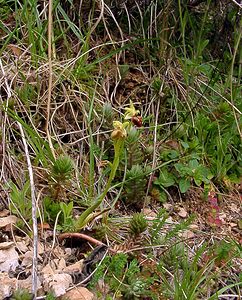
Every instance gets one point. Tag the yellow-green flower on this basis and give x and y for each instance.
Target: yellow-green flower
(130, 111)
(119, 131)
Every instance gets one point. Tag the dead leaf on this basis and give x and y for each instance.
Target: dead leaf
(172, 144)
(149, 213)
(79, 293)
(222, 216)
(41, 248)
(15, 49)
(43, 226)
(240, 224)
(4, 213)
(22, 247)
(234, 208)
(7, 285)
(169, 220)
(54, 264)
(59, 252)
(58, 283)
(61, 264)
(76, 267)
(182, 212)
(6, 245)
(8, 259)
(7, 220)
(27, 284)
(47, 270)
(194, 227)
(187, 234)
(67, 252)
(27, 260)
(167, 206)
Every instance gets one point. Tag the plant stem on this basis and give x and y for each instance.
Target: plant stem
(85, 216)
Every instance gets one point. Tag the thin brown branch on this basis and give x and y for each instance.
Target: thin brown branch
(82, 236)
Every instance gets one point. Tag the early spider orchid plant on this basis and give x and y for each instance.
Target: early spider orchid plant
(118, 136)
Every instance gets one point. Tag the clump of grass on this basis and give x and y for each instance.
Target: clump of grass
(61, 173)
(138, 224)
(62, 169)
(22, 294)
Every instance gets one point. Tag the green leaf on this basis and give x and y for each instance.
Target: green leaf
(163, 197)
(184, 185)
(202, 174)
(234, 178)
(185, 145)
(193, 164)
(165, 179)
(173, 154)
(198, 180)
(183, 170)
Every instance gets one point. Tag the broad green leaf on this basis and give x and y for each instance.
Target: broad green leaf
(198, 181)
(234, 178)
(183, 170)
(165, 179)
(173, 154)
(193, 164)
(185, 145)
(184, 185)
(180, 168)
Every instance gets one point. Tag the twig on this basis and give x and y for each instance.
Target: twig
(235, 2)
(34, 218)
(83, 236)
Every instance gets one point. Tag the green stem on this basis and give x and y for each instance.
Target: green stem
(91, 154)
(83, 219)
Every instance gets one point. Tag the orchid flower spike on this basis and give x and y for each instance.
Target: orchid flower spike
(130, 112)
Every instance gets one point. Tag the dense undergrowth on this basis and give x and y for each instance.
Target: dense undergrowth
(124, 106)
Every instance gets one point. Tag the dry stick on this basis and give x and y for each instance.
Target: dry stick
(34, 218)
(50, 24)
(83, 236)
(235, 2)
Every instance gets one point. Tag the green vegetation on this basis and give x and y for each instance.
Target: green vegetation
(130, 110)
(138, 224)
